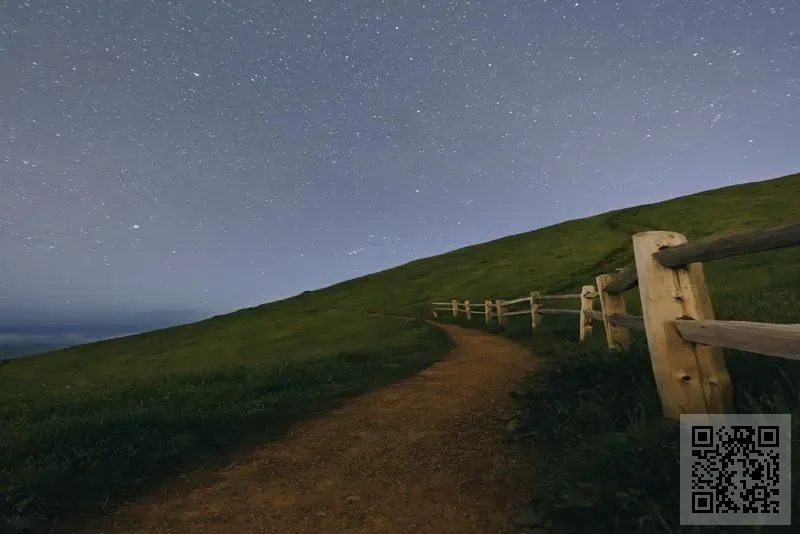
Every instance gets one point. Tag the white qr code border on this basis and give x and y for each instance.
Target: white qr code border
(761, 446)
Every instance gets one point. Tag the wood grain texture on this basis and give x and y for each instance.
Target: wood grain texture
(501, 319)
(516, 312)
(516, 301)
(690, 378)
(618, 337)
(595, 315)
(584, 321)
(556, 311)
(624, 280)
(728, 246)
(782, 340)
(633, 322)
(536, 317)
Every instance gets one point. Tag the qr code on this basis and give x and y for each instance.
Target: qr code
(735, 469)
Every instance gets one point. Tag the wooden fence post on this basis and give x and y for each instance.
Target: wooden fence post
(586, 305)
(690, 378)
(536, 317)
(467, 310)
(435, 315)
(487, 308)
(618, 337)
(455, 307)
(501, 319)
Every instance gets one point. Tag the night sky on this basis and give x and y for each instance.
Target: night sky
(183, 157)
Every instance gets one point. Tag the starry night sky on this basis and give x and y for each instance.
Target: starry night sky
(172, 158)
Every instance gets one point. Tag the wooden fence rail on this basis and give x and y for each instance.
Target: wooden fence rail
(624, 280)
(595, 315)
(623, 320)
(571, 296)
(684, 339)
(557, 311)
(782, 340)
(520, 312)
(516, 301)
(729, 246)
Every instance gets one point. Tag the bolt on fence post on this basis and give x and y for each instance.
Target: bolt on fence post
(691, 378)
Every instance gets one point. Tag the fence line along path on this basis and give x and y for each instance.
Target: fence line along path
(684, 339)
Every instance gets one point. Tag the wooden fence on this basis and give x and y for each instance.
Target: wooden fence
(684, 340)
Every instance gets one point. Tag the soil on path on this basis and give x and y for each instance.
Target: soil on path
(425, 455)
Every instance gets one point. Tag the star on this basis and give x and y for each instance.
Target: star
(441, 124)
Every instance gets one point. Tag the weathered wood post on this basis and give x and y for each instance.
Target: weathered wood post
(454, 302)
(487, 309)
(617, 337)
(587, 302)
(690, 378)
(536, 317)
(435, 315)
(502, 320)
(467, 310)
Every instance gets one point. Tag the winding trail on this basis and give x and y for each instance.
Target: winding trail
(424, 455)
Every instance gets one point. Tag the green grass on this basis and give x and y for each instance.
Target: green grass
(102, 421)
(89, 425)
(607, 459)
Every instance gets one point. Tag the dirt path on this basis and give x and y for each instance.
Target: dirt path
(425, 455)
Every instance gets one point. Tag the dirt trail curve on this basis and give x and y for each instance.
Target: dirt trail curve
(425, 455)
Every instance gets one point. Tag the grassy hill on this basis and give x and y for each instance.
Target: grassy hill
(100, 421)
(17, 351)
(563, 256)
(608, 461)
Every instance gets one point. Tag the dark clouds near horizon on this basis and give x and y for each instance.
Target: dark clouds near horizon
(187, 155)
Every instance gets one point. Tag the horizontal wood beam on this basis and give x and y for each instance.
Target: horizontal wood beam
(715, 248)
(597, 315)
(782, 340)
(517, 301)
(556, 297)
(624, 280)
(634, 322)
(556, 311)
(518, 312)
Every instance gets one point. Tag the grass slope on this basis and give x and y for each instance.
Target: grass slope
(8, 352)
(563, 256)
(592, 420)
(100, 421)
